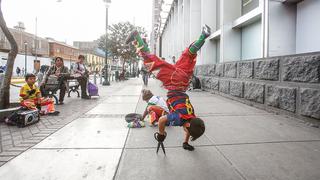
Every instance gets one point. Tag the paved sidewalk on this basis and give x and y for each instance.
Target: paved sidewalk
(14, 140)
(240, 142)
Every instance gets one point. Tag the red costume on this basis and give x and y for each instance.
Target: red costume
(173, 76)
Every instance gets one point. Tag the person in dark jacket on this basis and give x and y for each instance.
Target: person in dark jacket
(61, 72)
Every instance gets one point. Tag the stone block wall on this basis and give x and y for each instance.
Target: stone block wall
(290, 84)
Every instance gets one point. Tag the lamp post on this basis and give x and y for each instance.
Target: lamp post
(106, 81)
(25, 57)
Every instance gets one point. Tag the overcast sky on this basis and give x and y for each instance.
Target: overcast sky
(75, 20)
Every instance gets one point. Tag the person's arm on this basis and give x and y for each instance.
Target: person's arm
(46, 76)
(23, 94)
(187, 134)
(145, 113)
(76, 68)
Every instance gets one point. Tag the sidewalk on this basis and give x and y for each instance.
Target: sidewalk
(240, 142)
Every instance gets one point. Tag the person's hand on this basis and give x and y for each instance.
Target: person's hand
(31, 92)
(160, 137)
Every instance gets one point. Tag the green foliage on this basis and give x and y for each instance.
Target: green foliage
(117, 34)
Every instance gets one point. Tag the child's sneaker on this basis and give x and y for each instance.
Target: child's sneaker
(55, 113)
(187, 146)
(206, 30)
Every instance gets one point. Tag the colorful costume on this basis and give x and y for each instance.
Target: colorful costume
(33, 101)
(175, 78)
(156, 108)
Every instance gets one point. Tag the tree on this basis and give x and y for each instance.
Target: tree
(116, 42)
(5, 84)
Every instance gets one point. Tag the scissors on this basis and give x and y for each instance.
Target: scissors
(160, 143)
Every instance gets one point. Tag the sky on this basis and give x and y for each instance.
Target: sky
(75, 20)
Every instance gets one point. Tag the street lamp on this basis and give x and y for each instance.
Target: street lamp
(25, 57)
(106, 81)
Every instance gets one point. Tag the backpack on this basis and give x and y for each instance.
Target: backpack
(196, 83)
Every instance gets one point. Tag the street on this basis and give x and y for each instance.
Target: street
(240, 142)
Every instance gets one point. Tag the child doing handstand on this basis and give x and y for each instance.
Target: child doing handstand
(175, 79)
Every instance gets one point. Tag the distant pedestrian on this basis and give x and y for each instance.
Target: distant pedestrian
(23, 72)
(145, 75)
(18, 71)
(173, 59)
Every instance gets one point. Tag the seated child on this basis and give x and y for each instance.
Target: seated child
(30, 96)
(175, 79)
(156, 107)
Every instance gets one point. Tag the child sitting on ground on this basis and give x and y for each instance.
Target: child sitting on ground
(30, 96)
(156, 107)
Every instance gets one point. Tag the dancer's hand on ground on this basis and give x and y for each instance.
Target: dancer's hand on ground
(160, 137)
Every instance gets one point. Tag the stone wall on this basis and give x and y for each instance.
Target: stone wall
(290, 84)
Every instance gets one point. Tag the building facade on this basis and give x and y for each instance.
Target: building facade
(94, 62)
(33, 51)
(261, 52)
(241, 29)
(68, 53)
(86, 46)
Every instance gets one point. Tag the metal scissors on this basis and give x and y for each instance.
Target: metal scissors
(160, 143)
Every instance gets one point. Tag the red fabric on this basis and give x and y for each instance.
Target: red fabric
(155, 112)
(173, 77)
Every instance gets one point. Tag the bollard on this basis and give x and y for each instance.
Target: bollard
(95, 78)
(101, 78)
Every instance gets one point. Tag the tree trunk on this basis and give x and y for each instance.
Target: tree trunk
(5, 85)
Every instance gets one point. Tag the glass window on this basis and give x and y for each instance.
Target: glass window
(249, 5)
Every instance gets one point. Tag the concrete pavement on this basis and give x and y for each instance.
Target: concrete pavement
(240, 142)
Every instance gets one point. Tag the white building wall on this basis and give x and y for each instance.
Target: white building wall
(282, 28)
(195, 19)
(230, 43)
(273, 29)
(251, 41)
(180, 27)
(308, 26)
(186, 20)
(20, 62)
(208, 51)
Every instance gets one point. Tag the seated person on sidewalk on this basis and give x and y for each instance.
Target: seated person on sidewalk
(30, 96)
(156, 107)
(175, 79)
(82, 75)
(59, 71)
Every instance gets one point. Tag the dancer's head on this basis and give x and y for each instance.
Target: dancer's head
(196, 128)
(146, 95)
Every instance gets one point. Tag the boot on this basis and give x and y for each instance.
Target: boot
(196, 46)
(187, 146)
(135, 36)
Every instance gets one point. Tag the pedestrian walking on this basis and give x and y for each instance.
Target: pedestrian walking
(23, 71)
(173, 59)
(18, 71)
(145, 75)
